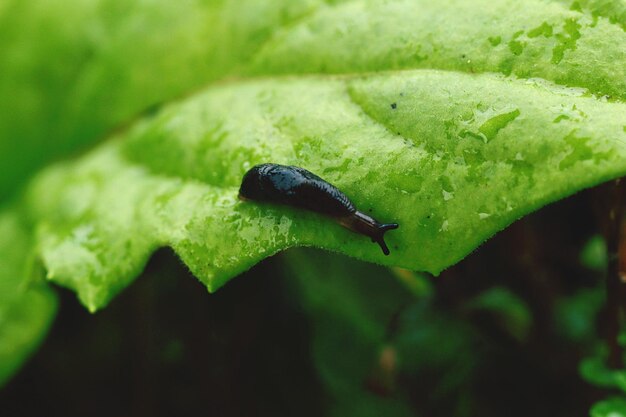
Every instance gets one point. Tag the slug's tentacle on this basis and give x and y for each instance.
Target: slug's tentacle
(297, 187)
(362, 223)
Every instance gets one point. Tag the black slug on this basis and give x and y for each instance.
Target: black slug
(298, 187)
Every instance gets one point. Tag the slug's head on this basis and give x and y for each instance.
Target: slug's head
(379, 235)
(362, 223)
(254, 183)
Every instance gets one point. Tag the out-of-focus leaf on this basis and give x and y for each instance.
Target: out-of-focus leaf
(26, 309)
(593, 255)
(613, 407)
(595, 371)
(511, 309)
(442, 351)
(575, 315)
(352, 307)
(418, 283)
(23, 325)
(73, 70)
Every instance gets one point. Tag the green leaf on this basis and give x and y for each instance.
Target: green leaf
(74, 70)
(595, 371)
(26, 309)
(23, 325)
(512, 311)
(613, 407)
(351, 305)
(529, 39)
(594, 255)
(575, 315)
(424, 163)
(453, 155)
(387, 336)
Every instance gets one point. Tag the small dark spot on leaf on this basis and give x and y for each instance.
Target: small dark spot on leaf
(394, 105)
(395, 246)
(463, 56)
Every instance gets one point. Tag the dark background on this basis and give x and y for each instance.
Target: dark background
(166, 347)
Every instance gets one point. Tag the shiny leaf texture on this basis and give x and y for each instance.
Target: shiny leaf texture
(451, 157)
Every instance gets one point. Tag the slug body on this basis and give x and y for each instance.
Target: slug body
(297, 187)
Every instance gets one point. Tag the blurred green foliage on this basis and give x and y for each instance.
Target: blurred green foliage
(613, 407)
(26, 308)
(594, 254)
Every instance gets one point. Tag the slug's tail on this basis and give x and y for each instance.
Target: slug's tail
(362, 223)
